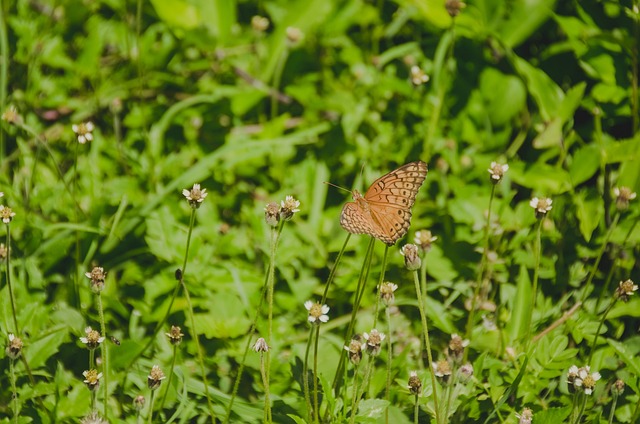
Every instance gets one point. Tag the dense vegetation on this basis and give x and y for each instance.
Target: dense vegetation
(520, 300)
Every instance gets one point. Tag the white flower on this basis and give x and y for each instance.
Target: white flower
(317, 312)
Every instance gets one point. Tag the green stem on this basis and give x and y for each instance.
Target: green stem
(354, 397)
(305, 375)
(7, 271)
(389, 358)
(359, 393)
(380, 281)
(105, 366)
(332, 274)
(173, 364)
(151, 401)
(425, 329)
(265, 382)
(594, 269)
(613, 407)
(277, 77)
(14, 390)
(582, 408)
(315, 374)
(600, 324)
(536, 271)
(416, 408)
(4, 73)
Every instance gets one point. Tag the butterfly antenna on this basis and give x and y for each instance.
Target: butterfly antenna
(337, 186)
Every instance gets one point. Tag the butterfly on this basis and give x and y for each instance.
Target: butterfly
(384, 211)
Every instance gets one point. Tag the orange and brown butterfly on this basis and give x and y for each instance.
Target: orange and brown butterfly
(384, 211)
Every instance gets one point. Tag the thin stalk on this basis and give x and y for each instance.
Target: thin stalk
(173, 364)
(479, 282)
(277, 77)
(105, 363)
(14, 390)
(354, 397)
(7, 271)
(425, 329)
(265, 382)
(4, 74)
(315, 375)
(332, 274)
(387, 394)
(600, 324)
(363, 385)
(380, 281)
(305, 375)
(536, 271)
(74, 188)
(582, 408)
(416, 408)
(151, 402)
(196, 338)
(594, 269)
(613, 407)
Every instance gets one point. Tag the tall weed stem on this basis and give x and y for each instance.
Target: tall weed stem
(600, 324)
(14, 390)
(173, 365)
(105, 363)
(603, 247)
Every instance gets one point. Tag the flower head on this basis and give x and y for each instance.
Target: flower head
(289, 207)
(625, 290)
(411, 258)
(456, 346)
(84, 131)
(92, 379)
(317, 312)
(175, 335)
(415, 384)
(97, 277)
(92, 339)
(6, 214)
(454, 7)
(11, 115)
(260, 23)
(294, 35)
(373, 342)
(497, 171)
(618, 387)
(272, 214)
(623, 196)
(541, 205)
(424, 239)
(525, 417)
(261, 345)
(155, 377)
(386, 292)
(14, 348)
(138, 402)
(442, 369)
(466, 372)
(93, 418)
(195, 196)
(418, 76)
(355, 349)
(583, 378)
(3, 251)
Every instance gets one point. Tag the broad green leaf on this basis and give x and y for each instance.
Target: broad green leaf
(584, 164)
(177, 13)
(542, 88)
(524, 18)
(589, 211)
(505, 95)
(519, 322)
(629, 357)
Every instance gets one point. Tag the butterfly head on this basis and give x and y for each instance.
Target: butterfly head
(356, 195)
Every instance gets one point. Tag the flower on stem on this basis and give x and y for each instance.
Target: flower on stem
(373, 342)
(386, 292)
(625, 290)
(6, 214)
(418, 76)
(92, 339)
(11, 115)
(525, 417)
(541, 205)
(14, 348)
(466, 372)
(294, 35)
(155, 377)
(623, 196)
(272, 214)
(138, 402)
(497, 171)
(92, 379)
(97, 277)
(261, 345)
(289, 207)
(84, 131)
(583, 378)
(195, 196)
(175, 335)
(454, 7)
(317, 312)
(355, 350)
(260, 23)
(618, 387)
(456, 347)
(3, 251)
(93, 418)
(442, 369)
(411, 258)
(415, 384)
(424, 239)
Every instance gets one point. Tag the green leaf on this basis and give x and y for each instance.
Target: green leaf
(505, 95)
(584, 164)
(229, 321)
(630, 358)
(177, 13)
(589, 211)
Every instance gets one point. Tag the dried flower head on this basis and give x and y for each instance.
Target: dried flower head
(92, 338)
(155, 377)
(497, 171)
(3, 251)
(415, 384)
(289, 207)
(386, 292)
(272, 214)
(317, 312)
(14, 347)
(466, 372)
(454, 7)
(97, 277)
(84, 131)
(261, 345)
(92, 379)
(93, 418)
(260, 23)
(442, 369)
(411, 258)
(11, 115)
(195, 196)
(541, 205)
(294, 35)
(625, 290)
(6, 214)
(373, 342)
(355, 349)
(623, 196)
(617, 388)
(175, 335)
(418, 76)
(424, 239)
(138, 402)
(525, 417)
(456, 347)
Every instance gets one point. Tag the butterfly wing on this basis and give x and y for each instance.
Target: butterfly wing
(390, 199)
(356, 220)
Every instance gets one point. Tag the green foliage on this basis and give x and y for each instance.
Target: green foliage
(194, 91)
